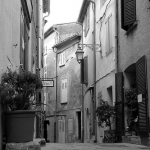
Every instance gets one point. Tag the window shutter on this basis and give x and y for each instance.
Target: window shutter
(119, 105)
(82, 71)
(85, 70)
(128, 11)
(141, 89)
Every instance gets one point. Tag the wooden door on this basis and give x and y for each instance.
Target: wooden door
(141, 80)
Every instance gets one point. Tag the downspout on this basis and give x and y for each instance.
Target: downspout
(94, 65)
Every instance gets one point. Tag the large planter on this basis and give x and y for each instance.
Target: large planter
(19, 126)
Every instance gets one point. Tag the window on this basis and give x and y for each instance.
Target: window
(87, 21)
(109, 35)
(85, 70)
(62, 59)
(64, 91)
(128, 14)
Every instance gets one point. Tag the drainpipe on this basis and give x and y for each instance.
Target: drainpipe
(94, 65)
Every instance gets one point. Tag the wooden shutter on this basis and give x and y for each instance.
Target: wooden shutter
(82, 71)
(141, 89)
(85, 70)
(119, 104)
(128, 13)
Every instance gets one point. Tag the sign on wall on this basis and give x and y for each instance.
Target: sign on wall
(48, 82)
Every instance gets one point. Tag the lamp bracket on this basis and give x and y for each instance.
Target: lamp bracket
(93, 47)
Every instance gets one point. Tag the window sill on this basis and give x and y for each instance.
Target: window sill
(108, 52)
(62, 65)
(131, 28)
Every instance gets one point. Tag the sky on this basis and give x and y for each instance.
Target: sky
(63, 11)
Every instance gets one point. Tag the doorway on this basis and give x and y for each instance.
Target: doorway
(79, 124)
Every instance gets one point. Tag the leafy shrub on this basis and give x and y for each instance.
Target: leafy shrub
(105, 113)
(17, 91)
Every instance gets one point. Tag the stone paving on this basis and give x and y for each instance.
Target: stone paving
(93, 146)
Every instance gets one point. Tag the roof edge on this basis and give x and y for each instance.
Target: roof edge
(83, 9)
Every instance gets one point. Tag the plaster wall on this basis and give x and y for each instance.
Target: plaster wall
(105, 62)
(50, 92)
(50, 64)
(135, 44)
(9, 36)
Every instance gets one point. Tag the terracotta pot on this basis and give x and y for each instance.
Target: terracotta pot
(19, 126)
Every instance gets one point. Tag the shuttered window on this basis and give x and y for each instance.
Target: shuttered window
(128, 13)
(86, 70)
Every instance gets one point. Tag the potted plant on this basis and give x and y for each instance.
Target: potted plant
(18, 100)
(106, 116)
(132, 110)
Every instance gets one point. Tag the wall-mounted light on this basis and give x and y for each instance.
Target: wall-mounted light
(79, 54)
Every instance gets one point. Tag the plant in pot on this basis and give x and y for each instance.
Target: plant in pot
(18, 100)
(132, 110)
(106, 115)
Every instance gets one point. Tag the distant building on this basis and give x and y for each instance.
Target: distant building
(64, 99)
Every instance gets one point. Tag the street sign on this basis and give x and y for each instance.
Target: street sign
(48, 82)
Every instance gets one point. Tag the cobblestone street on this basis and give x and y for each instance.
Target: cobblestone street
(88, 146)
